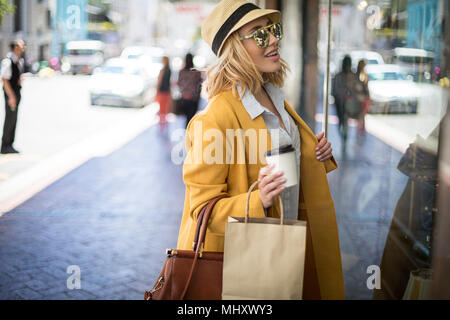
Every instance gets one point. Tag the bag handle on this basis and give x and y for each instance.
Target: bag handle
(248, 204)
(198, 227)
(202, 225)
(202, 218)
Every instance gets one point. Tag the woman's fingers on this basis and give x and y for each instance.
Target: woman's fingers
(320, 136)
(325, 156)
(324, 148)
(264, 171)
(269, 191)
(274, 184)
(269, 178)
(276, 192)
(324, 151)
(321, 143)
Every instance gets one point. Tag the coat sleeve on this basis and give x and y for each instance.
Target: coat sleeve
(205, 174)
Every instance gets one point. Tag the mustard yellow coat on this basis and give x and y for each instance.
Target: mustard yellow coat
(323, 269)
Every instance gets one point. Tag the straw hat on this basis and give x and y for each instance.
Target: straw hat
(228, 16)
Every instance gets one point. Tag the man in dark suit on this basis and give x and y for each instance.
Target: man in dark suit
(11, 75)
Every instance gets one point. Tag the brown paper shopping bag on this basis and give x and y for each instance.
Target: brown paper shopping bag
(264, 258)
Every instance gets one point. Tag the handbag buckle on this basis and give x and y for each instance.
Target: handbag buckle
(171, 252)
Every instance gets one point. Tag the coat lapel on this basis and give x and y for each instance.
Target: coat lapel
(258, 124)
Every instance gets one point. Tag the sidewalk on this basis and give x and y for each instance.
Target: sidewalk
(114, 216)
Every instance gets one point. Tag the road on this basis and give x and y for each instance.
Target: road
(57, 131)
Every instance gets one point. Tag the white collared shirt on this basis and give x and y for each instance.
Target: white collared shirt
(279, 137)
(6, 70)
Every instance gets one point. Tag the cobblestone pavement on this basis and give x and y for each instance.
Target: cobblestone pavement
(115, 216)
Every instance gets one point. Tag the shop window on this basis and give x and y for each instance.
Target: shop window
(388, 87)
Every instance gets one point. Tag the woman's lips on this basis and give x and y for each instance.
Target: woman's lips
(273, 54)
(274, 57)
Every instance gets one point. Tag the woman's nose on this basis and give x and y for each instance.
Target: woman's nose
(272, 39)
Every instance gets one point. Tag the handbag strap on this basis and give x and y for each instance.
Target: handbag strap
(202, 225)
(202, 218)
(198, 227)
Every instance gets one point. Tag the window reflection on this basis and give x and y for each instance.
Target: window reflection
(409, 242)
(389, 78)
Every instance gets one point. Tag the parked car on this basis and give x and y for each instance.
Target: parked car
(371, 57)
(84, 56)
(418, 63)
(149, 58)
(390, 90)
(120, 82)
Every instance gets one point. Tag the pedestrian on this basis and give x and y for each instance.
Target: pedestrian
(189, 82)
(343, 92)
(12, 77)
(163, 96)
(244, 93)
(363, 78)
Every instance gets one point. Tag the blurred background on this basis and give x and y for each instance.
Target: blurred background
(95, 184)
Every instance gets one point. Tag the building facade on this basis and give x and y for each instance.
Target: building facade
(31, 22)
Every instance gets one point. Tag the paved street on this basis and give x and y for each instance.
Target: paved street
(113, 217)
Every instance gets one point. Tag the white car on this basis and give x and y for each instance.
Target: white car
(371, 57)
(84, 56)
(418, 63)
(390, 90)
(120, 82)
(149, 58)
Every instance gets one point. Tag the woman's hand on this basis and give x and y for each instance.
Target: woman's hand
(270, 185)
(323, 149)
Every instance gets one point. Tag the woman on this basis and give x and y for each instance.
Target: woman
(363, 78)
(244, 96)
(163, 93)
(189, 82)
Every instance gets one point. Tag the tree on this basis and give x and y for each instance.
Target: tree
(5, 8)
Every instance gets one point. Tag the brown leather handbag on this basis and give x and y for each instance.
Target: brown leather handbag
(191, 275)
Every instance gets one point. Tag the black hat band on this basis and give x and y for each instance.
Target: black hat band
(230, 23)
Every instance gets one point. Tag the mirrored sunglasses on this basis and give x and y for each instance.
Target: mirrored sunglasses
(262, 36)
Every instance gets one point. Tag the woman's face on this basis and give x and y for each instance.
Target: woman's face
(260, 56)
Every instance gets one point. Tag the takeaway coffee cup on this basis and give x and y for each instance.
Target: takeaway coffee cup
(283, 159)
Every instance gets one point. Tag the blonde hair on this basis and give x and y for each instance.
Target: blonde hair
(235, 67)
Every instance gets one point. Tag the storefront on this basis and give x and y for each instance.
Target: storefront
(386, 119)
